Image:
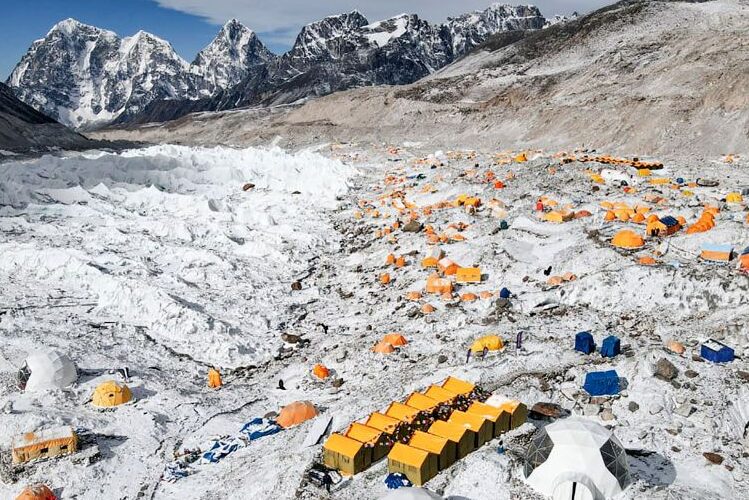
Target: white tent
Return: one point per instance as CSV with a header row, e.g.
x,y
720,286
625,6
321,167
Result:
x,y
407,493
576,459
48,369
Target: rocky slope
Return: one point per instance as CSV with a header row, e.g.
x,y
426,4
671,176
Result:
x,y
636,77
87,77
25,130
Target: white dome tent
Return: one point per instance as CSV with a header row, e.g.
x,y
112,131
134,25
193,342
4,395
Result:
x,y
576,459
47,369
407,493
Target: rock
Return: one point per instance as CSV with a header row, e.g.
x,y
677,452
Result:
x,y
684,410
296,286
413,227
341,357
665,370
599,400
337,382
697,357
690,374
248,186
743,375
633,407
607,415
290,338
502,303
569,393
441,359
655,408
546,411
591,410
713,458
675,347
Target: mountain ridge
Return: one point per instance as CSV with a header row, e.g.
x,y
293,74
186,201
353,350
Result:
x,y
88,77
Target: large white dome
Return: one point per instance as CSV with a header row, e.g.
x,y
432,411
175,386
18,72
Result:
x,y
49,369
407,493
576,459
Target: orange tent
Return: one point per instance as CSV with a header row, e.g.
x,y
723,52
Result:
x,y
627,239
438,285
385,279
36,492
383,348
296,413
427,309
320,371
395,339
214,379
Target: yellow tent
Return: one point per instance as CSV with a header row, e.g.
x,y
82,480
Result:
x,y
464,438
373,439
345,454
439,394
383,423
110,393
627,239
491,342
422,402
442,447
417,465
734,198
500,419
478,424
458,386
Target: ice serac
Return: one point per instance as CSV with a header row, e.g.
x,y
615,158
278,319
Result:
x,y
231,56
84,76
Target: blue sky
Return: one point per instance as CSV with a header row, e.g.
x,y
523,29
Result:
x,y
191,24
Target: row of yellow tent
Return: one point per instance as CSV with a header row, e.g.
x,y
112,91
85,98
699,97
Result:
x,y
426,433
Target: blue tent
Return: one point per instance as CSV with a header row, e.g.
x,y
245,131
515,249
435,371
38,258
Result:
x,y
602,383
611,347
396,480
584,342
504,293
717,352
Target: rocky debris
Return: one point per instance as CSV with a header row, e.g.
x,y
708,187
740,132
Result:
x,y
655,408
685,410
413,227
248,186
591,410
547,411
607,415
713,458
633,406
665,370
743,375
441,359
338,382
296,286
691,374
291,338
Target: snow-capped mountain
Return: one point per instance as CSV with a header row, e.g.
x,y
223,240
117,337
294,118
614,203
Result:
x,y
231,56
87,77
341,52
84,76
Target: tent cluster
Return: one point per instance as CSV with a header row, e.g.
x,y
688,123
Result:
x,y
611,160
426,433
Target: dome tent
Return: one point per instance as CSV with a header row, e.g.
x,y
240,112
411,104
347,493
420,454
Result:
x,y
576,459
110,393
47,369
627,239
411,493
296,413
36,492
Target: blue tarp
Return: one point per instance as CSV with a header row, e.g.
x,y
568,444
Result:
x,y
584,342
602,383
259,427
504,293
717,352
669,221
221,449
395,480
610,347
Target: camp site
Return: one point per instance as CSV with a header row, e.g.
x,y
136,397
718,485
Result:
x,y
474,251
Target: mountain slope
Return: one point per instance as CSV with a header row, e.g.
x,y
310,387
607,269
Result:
x,y
23,129
640,77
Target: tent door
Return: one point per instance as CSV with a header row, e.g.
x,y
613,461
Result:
x,y
572,490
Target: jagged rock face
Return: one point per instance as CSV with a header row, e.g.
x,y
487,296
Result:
x,y
470,30
343,52
231,56
83,76
87,77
